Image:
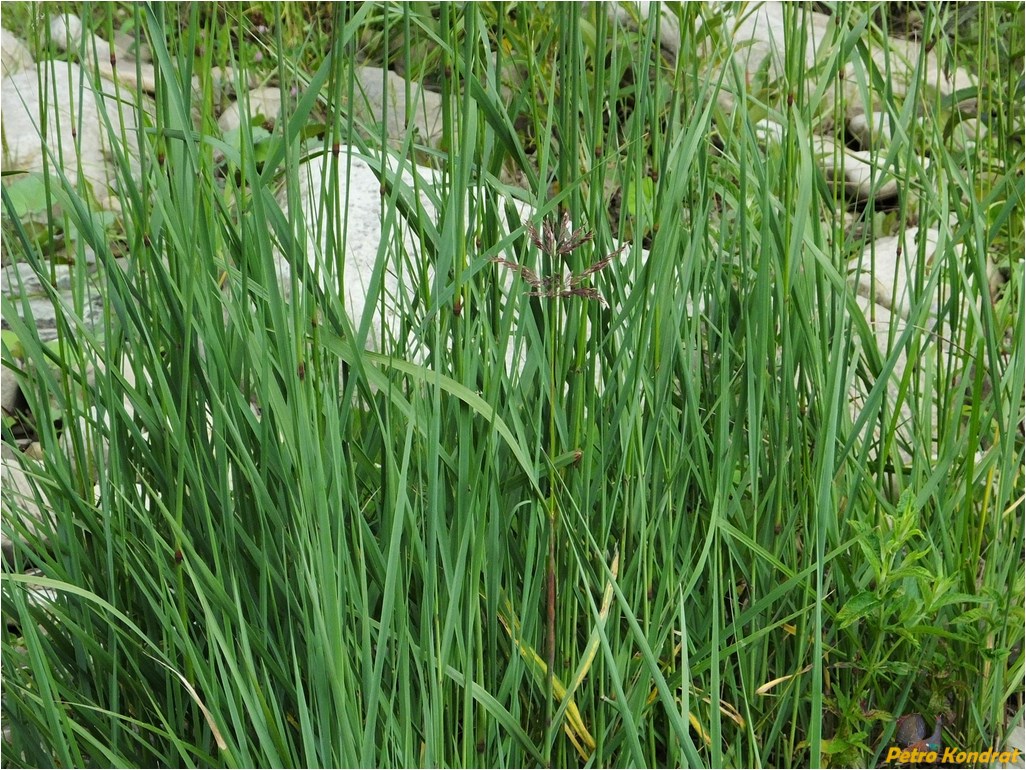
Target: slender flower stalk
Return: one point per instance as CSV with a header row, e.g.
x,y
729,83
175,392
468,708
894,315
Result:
x,y
556,241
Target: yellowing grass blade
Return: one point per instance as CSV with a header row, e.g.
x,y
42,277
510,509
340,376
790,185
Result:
x,y
593,642
699,728
726,709
211,722
774,682
566,701
574,725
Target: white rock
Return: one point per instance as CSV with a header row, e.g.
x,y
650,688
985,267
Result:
x,y
14,54
872,130
330,198
769,131
940,358
67,32
901,58
324,193
225,82
1016,743
381,96
91,429
966,134
886,328
893,270
19,281
22,498
8,390
669,27
262,103
858,171
22,106
74,127
131,48
757,34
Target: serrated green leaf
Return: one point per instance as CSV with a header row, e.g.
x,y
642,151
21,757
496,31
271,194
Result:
x,y
912,571
856,608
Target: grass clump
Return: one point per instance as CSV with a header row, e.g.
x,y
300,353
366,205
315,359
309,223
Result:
x,y
664,537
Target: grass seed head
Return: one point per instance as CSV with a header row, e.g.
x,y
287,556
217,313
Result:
x,y
557,240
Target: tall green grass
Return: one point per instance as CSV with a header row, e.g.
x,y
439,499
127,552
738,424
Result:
x,y
271,547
